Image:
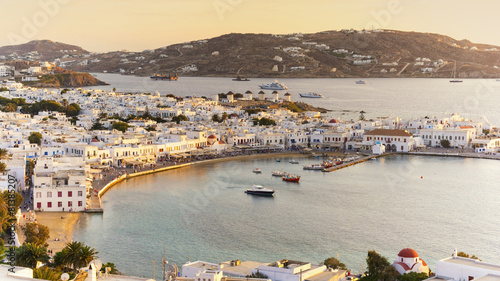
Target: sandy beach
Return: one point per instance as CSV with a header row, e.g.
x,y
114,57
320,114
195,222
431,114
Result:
x,y
60,228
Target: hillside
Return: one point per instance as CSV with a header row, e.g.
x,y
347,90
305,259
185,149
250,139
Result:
x,y
43,50
346,53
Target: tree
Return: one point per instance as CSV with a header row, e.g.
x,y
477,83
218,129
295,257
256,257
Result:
x,y
413,276
36,233
120,126
177,119
30,253
35,137
10,107
445,143
46,273
362,115
215,118
111,265
75,254
257,274
379,268
97,126
334,263
150,128
73,109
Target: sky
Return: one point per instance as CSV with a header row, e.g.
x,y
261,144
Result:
x,y
136,25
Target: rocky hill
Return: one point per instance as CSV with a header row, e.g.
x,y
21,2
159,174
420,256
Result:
x,y
67,79
346,53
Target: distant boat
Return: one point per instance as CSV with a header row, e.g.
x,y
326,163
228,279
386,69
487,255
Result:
x,y
239,78
311,95
360,81
278,173
257,171
454,74
259,190
274,86
291,178
164,77
278,160
293,161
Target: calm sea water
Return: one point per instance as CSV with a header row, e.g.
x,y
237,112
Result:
x,y
431,204
403,97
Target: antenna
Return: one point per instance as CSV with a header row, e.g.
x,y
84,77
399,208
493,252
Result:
x,y
154,270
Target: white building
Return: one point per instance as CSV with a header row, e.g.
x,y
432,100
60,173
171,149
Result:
x,y
459,268
394,140
288,270
59,186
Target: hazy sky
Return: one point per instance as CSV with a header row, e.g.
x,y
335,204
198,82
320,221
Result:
x,y
108,25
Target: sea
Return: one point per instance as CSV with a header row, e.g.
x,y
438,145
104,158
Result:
x,y
430,204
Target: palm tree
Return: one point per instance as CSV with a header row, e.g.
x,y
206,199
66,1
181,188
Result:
x,y
76,254
46,273
86,255
30,253
3,153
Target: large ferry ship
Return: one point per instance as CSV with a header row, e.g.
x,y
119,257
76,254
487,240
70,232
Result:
x,y
164,77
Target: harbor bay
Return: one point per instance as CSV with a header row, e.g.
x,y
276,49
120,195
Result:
x,y
433,204
404,97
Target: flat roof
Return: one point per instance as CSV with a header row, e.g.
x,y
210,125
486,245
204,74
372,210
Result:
x,y
327,275
245,268
473,263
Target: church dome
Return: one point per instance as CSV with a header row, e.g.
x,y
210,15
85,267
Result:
x,y
408,253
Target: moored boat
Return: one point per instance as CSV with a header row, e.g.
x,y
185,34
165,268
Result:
x,y
278,160
239,78
274,86
164,77
360,81
311,95
291,178
278,173
293,161
259,190
313,167
257,171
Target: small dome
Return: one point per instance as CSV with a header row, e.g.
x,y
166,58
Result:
x,y
94,140
287,94
212,137
333,121
408,253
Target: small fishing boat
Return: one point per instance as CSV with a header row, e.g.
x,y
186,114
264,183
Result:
x,y
291,178
259,190
257,171
293,161
278,160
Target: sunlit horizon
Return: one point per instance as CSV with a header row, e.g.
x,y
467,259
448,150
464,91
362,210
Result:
x,y
111,25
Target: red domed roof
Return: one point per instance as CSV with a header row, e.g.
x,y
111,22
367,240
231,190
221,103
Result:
x,y
212,137
94,140
408,253
333,121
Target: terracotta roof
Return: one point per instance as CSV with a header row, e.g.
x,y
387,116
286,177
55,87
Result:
x,y
403,265
211,137
466,127
388,132
408,253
